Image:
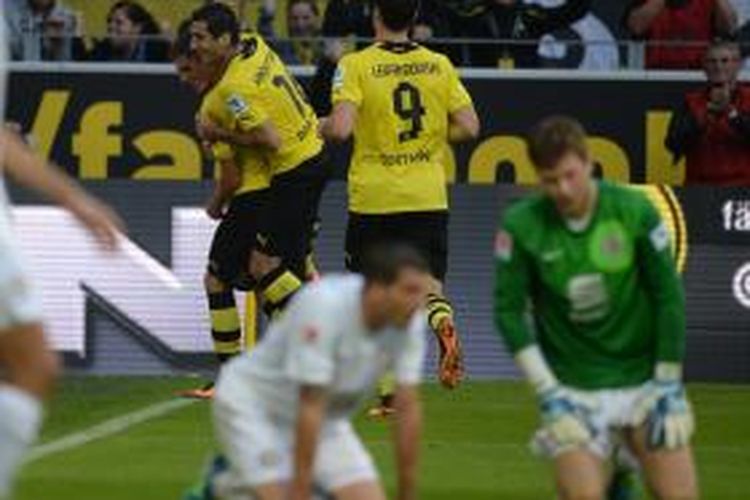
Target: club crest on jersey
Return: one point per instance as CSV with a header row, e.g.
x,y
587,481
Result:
x,y
659,237
237,105
503,245
610,250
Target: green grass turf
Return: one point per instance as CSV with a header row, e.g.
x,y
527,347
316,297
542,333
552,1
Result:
x,y
474,444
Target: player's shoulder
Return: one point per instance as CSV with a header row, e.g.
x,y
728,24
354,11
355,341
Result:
x,y
623,197
332,288
529,209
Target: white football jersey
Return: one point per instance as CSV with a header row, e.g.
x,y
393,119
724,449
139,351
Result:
x,y
321,340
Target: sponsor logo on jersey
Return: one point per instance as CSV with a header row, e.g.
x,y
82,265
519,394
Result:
x,y
741,285
552,255
503,245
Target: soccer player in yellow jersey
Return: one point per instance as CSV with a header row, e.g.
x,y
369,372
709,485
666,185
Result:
x,y
238,201
403,103
260,99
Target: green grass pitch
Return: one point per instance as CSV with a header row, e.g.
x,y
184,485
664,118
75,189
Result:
x,y
474,444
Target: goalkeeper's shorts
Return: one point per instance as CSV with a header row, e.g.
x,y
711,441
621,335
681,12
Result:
x,y
260,446
612,412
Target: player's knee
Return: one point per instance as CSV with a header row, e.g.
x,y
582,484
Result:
x,y
677,491
588,491
583,495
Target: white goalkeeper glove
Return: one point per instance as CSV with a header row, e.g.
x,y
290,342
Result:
x,y
566,418
665,410
565,415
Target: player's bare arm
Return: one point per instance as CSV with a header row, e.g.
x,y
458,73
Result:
x,y
310,416
228,183
463,125
264,135
31,171
407,433
339,126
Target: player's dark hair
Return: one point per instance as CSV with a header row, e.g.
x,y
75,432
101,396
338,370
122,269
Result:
x,y
384,262
397,15
312,3
181,44
220,20
553,138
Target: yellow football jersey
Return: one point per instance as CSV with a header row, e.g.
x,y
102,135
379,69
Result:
x,y
257,87
404,95
254,170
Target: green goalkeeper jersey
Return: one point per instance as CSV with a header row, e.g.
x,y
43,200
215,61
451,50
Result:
x,y
605,300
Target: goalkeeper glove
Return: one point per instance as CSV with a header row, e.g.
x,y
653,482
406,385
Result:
x,y
566,417
665,410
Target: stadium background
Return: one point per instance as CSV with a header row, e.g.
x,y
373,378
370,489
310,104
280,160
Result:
x,y
138,123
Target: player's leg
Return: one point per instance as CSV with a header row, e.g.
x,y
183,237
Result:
x,y
362,233
368,490
30,369
282,265
580,475
669,474
428,233
343,468
257,450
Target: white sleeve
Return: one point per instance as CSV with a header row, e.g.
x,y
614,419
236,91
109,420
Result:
x,y
312,342
410,360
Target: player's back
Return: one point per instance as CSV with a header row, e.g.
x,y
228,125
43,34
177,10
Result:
x,y
404,95
277,96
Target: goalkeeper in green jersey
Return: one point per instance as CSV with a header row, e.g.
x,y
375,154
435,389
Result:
x,y
589,262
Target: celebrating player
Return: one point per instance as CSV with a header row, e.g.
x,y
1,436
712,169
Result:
x,y
29,366
591,263
254,102
238,201
403,103
282,412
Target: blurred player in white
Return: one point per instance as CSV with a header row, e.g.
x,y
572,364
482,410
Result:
x,y
282,412
28,367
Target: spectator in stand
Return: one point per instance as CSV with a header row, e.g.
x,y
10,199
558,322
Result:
x,y
522,21
42,30
132,36
712,128
677,32
303,45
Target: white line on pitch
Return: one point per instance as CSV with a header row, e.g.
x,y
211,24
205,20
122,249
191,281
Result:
x,y
106,429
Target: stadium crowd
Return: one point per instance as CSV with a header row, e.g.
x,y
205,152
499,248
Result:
x,y
485,33
713,122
